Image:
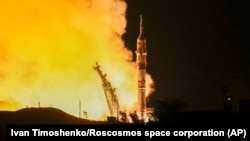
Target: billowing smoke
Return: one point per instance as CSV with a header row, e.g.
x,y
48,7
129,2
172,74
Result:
x,y
48,49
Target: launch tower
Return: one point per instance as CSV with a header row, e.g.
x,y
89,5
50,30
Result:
x,y
109,91
141,61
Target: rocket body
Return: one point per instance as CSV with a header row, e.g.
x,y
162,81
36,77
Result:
x,y
141,60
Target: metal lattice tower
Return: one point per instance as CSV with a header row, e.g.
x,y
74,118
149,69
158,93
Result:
x,y
109,91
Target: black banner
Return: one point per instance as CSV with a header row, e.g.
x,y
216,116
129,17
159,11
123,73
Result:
x,y
124,131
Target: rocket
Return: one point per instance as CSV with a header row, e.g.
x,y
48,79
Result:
x,y
141,61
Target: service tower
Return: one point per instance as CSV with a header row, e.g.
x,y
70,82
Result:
x,y
141,61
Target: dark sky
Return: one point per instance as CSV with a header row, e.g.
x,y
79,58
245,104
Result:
x,y
194,48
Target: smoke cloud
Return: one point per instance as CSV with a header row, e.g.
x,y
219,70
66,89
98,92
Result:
x,y
48,49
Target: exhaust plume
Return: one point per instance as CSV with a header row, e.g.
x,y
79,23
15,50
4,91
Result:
x,y
48,48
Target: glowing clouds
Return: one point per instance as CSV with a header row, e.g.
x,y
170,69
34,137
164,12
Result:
x,y
48,48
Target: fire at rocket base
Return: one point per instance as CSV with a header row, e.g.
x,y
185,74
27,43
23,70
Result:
x,y
141,61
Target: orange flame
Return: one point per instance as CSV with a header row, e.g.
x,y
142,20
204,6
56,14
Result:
x,y
48,48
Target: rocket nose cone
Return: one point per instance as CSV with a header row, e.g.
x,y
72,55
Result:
x,y
141,37
141,34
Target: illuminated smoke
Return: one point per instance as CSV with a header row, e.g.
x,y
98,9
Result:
x,y
48,49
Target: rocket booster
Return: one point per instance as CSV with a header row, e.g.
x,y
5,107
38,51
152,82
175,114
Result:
x,y
141,60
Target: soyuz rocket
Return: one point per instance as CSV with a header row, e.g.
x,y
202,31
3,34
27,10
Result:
x,y
141,61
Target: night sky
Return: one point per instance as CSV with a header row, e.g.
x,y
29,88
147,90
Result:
x,y
194,48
